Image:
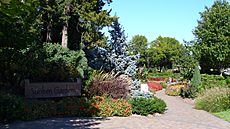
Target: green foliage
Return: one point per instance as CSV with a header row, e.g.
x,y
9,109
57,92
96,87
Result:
x,y
50,62
17,23
214,100
211,81
74,106
11,107
69,63
195,82
165,74
212,36
164,84
144,106
139,45
164,51
35,109
187,62
15,108
228,81
223,115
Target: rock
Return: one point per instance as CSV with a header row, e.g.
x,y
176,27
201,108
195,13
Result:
x,y
227,72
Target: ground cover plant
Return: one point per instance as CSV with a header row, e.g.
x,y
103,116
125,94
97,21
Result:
x,y
146,106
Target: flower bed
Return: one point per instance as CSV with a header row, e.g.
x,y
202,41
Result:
x,y
154,86
174,90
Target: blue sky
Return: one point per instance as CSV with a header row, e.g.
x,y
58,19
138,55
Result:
x,y
153,18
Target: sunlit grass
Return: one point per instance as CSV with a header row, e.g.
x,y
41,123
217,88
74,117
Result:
x,y
223,115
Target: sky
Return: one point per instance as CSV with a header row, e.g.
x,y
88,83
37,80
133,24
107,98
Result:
x,y
153,18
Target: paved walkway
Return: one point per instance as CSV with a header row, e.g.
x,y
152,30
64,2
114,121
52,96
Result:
x,y
180,115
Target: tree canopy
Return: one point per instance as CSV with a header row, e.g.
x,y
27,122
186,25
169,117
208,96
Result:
x,y
212,43
139,45
164,51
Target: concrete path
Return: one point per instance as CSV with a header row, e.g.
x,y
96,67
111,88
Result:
x,y
180,115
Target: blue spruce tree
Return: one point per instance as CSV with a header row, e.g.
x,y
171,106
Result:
x,y
120,61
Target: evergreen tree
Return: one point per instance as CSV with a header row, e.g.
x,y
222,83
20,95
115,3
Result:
x,y
121,61
195,82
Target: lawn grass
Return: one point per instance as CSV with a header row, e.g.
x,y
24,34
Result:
x,y
223,115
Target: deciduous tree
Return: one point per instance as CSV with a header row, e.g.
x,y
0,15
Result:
x,y
213,36
139,45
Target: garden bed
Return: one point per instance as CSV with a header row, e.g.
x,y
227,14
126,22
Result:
x,y
154,86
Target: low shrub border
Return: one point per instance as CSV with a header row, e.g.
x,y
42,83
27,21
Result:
x,y
146,106
16,108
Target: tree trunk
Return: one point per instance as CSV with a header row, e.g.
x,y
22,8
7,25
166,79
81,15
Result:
x,y
65,27
48,33
64,42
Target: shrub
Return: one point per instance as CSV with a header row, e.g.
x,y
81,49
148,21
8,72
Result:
x,y
164,85
210,81
48,62
109,85
191,90
144,106
35,109
214,100
73,106
59,64
11,107
111,107
185,92
228,81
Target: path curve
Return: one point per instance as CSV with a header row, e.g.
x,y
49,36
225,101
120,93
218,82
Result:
x,y
180,115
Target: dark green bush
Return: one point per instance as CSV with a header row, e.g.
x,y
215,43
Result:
x,y
15,108
145,106
73,106
35,109
48,62
59,64
228,81
11,107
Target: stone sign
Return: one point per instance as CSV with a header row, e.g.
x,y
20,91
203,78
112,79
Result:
x,y
52,89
